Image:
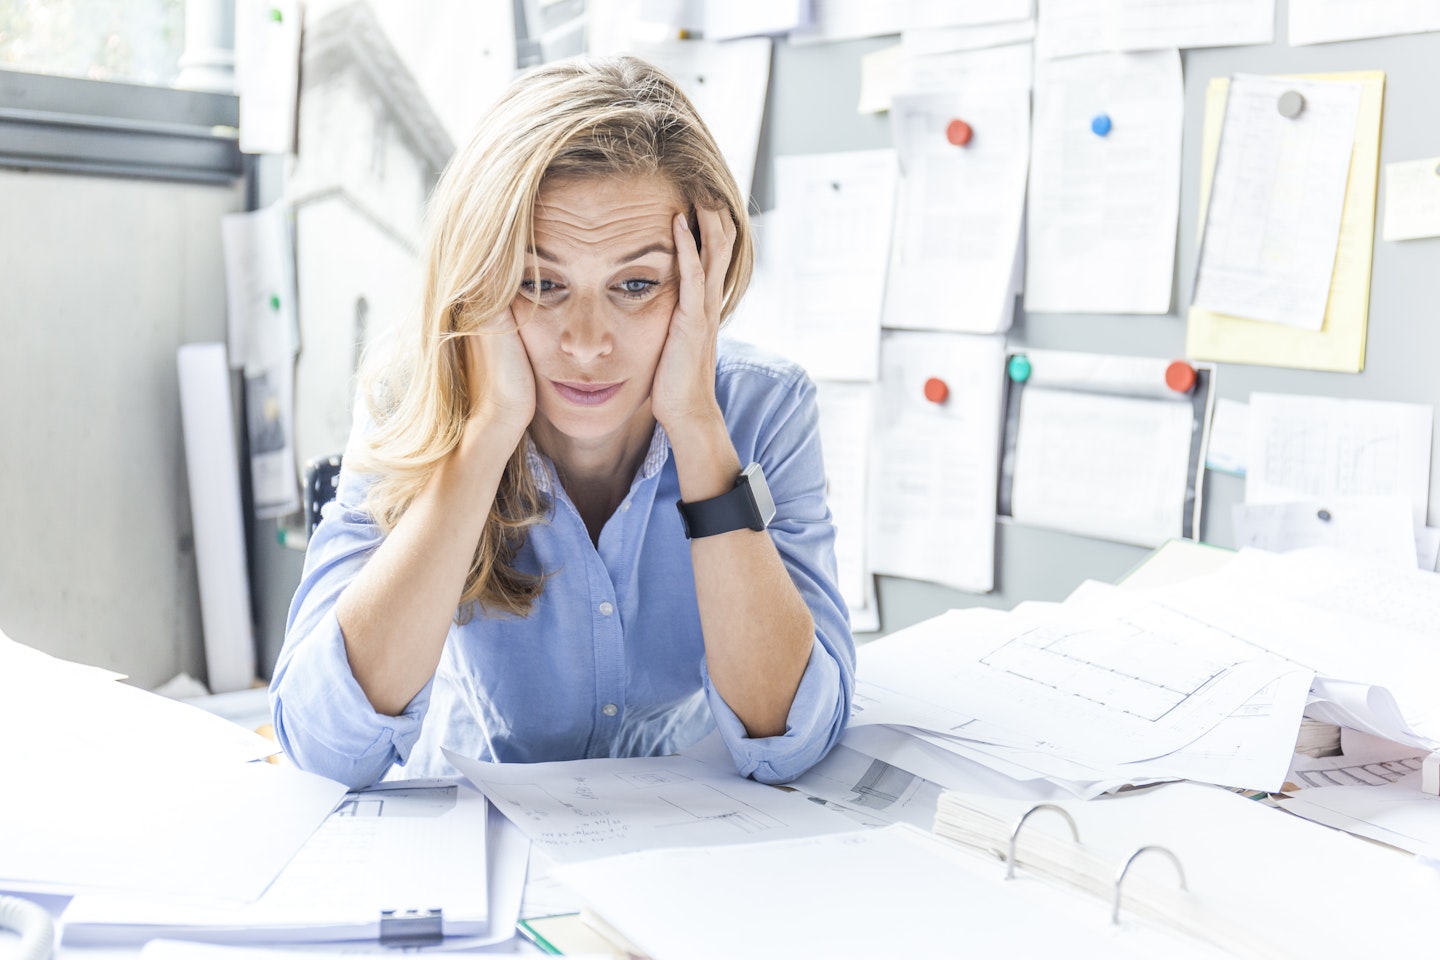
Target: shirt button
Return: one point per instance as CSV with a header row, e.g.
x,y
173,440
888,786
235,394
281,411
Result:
x,y
607,608
625,506
609,709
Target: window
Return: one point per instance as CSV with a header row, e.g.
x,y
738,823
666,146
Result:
x,y
131,41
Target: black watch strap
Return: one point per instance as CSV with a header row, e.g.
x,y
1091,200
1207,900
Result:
x,y
747,507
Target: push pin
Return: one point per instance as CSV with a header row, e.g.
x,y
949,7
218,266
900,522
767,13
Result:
x,y
1018,368
959,132
936,391
1290,104
1180,376
1101,125
1324,515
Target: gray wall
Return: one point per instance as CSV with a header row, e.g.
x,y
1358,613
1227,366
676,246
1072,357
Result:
x,y
813,91
103,279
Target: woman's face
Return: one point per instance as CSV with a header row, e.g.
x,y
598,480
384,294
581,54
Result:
x,y
594,307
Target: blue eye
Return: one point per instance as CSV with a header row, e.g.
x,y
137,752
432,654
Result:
x,y
635,289
528,286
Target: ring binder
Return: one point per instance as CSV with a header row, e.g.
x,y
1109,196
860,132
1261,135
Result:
x,y
1125,867
411,928
1020,822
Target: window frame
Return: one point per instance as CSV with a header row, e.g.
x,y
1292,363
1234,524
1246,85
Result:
x,y
108,128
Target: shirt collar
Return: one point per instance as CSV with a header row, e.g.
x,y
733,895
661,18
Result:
x,y
544,471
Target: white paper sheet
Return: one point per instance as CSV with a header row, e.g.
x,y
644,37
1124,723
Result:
x,y
398,846
1309,606
754,18
212,468
581,809
1070,27
1080,683
264,336
1101,465
847,414
1102,211
920,43
1427,547
1325,21
1412,199
727,84
1273,221
829,237
1322,448
960,208
933,488
1229,437
267,73
853,19
1376,527
868,790
907,894
1394,812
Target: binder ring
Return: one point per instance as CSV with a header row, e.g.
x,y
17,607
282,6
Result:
x,y
1015,832
1120,877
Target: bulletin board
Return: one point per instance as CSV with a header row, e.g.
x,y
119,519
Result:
x,y
811,108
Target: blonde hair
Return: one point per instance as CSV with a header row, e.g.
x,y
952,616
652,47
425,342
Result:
x,y
576,118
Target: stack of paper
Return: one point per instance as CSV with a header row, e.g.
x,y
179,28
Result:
x,y
401,846
177,794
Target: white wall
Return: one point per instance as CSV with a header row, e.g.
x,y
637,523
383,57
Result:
x,y
100,280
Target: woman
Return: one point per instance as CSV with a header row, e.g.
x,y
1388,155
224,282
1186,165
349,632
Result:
x,y
506,570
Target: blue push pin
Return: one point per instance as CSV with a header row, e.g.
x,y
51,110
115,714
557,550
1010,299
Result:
x,y
1100,126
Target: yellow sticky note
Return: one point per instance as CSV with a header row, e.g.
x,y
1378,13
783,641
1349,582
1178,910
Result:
x,y
1340,343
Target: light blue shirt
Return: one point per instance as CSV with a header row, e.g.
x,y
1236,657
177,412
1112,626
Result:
x,y
610,662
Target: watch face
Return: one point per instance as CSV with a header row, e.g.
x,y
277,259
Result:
x,y
760,490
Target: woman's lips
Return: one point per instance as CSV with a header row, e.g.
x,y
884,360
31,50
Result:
x,y
587,394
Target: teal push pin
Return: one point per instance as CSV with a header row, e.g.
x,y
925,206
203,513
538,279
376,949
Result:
x,y
274,301
1018,368
1100,125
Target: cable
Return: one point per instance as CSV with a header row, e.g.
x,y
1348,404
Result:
x,y
37,932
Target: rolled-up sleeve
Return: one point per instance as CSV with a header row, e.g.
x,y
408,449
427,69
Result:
x,y
323,720
786,440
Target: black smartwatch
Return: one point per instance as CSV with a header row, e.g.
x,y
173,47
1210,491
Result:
x,y
748,507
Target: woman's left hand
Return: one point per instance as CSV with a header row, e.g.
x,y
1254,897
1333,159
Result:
x,y
683,392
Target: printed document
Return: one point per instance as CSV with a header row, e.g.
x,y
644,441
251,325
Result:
x,y
581,809
960,209
847,416
1319,448
1376,527
1412,199
1325,21
1273,221
1103,209
1070,27
935,463
830,239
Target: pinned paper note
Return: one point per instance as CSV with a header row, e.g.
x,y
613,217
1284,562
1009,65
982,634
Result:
x,y
1412,199
1340,344
1273,221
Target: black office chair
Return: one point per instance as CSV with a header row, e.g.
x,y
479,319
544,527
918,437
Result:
x,y
322,479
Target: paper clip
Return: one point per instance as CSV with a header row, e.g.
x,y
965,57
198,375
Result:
x,y
1120,877
1015,832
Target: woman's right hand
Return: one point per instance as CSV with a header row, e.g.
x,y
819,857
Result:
x,y
499,378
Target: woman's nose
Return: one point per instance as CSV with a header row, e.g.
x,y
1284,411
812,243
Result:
x,y
586,334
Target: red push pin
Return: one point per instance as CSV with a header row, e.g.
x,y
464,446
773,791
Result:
x,y
936,391
958,132
1180,376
